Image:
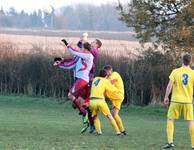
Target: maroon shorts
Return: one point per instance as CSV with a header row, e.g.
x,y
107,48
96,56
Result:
x,y
85,94
78,86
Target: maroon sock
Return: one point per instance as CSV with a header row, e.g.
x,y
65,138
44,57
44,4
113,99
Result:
x,y
80,107
90,118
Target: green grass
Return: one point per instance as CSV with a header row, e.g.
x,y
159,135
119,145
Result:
x,y
28,123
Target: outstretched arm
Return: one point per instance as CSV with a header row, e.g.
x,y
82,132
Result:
x,y
67,63
84,55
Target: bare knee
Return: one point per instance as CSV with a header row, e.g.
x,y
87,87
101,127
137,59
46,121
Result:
x,y
71,97
115,111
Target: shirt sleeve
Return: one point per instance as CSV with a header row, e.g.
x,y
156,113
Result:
x,y
68,63
84,55
172,76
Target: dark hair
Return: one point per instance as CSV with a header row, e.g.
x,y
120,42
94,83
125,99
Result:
x,y
187,59
107,67
87,46
57,59
99,43
103,73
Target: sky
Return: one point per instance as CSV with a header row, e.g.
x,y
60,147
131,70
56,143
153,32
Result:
x,y
30,5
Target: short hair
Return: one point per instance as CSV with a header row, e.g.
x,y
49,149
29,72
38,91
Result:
x,y
108,67
103,73
99,43
187,59
87,46
57,59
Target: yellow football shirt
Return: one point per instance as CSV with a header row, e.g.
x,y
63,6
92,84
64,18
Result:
x,y
183,82
100,86
117,81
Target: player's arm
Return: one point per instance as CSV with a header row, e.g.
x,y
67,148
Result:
x,y
84,55
66,66
168,91
67,63
169,87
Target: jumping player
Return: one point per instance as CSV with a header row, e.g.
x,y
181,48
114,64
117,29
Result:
x,y
82,63
84,94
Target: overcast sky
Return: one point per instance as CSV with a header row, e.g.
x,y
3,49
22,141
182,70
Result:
x,y
29,5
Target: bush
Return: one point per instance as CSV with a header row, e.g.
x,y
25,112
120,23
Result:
x,y
144,78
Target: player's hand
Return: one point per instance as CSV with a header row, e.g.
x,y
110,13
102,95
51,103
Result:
x,y
113,81
166,101
64,41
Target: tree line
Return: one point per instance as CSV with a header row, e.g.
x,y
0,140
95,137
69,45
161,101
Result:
x,y
78,17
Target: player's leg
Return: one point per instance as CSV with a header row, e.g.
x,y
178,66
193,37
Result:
x,y
188,115
106,111
91,120
173,113
97,125
170,133
117,100
113,123
94,109
191,132
86,94
74,94
85,99
85,103
115,114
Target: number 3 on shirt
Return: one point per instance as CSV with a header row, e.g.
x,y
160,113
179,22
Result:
x,y
185,79
96,82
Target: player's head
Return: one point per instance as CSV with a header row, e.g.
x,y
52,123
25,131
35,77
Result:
x,y
96,43
103,73
108,69
87,46
57,59
187,59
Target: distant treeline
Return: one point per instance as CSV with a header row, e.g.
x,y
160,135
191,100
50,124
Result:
x,y
78,17
145,77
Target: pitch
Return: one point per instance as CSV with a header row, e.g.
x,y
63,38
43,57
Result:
x,y
44,124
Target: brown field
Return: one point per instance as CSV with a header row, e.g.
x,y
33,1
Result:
x,y
52,45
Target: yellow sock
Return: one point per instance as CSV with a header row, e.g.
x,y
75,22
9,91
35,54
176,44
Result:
x,y
114,124
191,131
119,122
170,130
97,125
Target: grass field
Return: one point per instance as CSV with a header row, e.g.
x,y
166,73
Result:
x,y
28,123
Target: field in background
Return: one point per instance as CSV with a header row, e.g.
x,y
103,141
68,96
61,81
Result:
x,y
53,45
126,36
42,124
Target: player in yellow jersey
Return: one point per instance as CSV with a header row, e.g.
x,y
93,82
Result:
x,y
116,98
97,103
181,84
